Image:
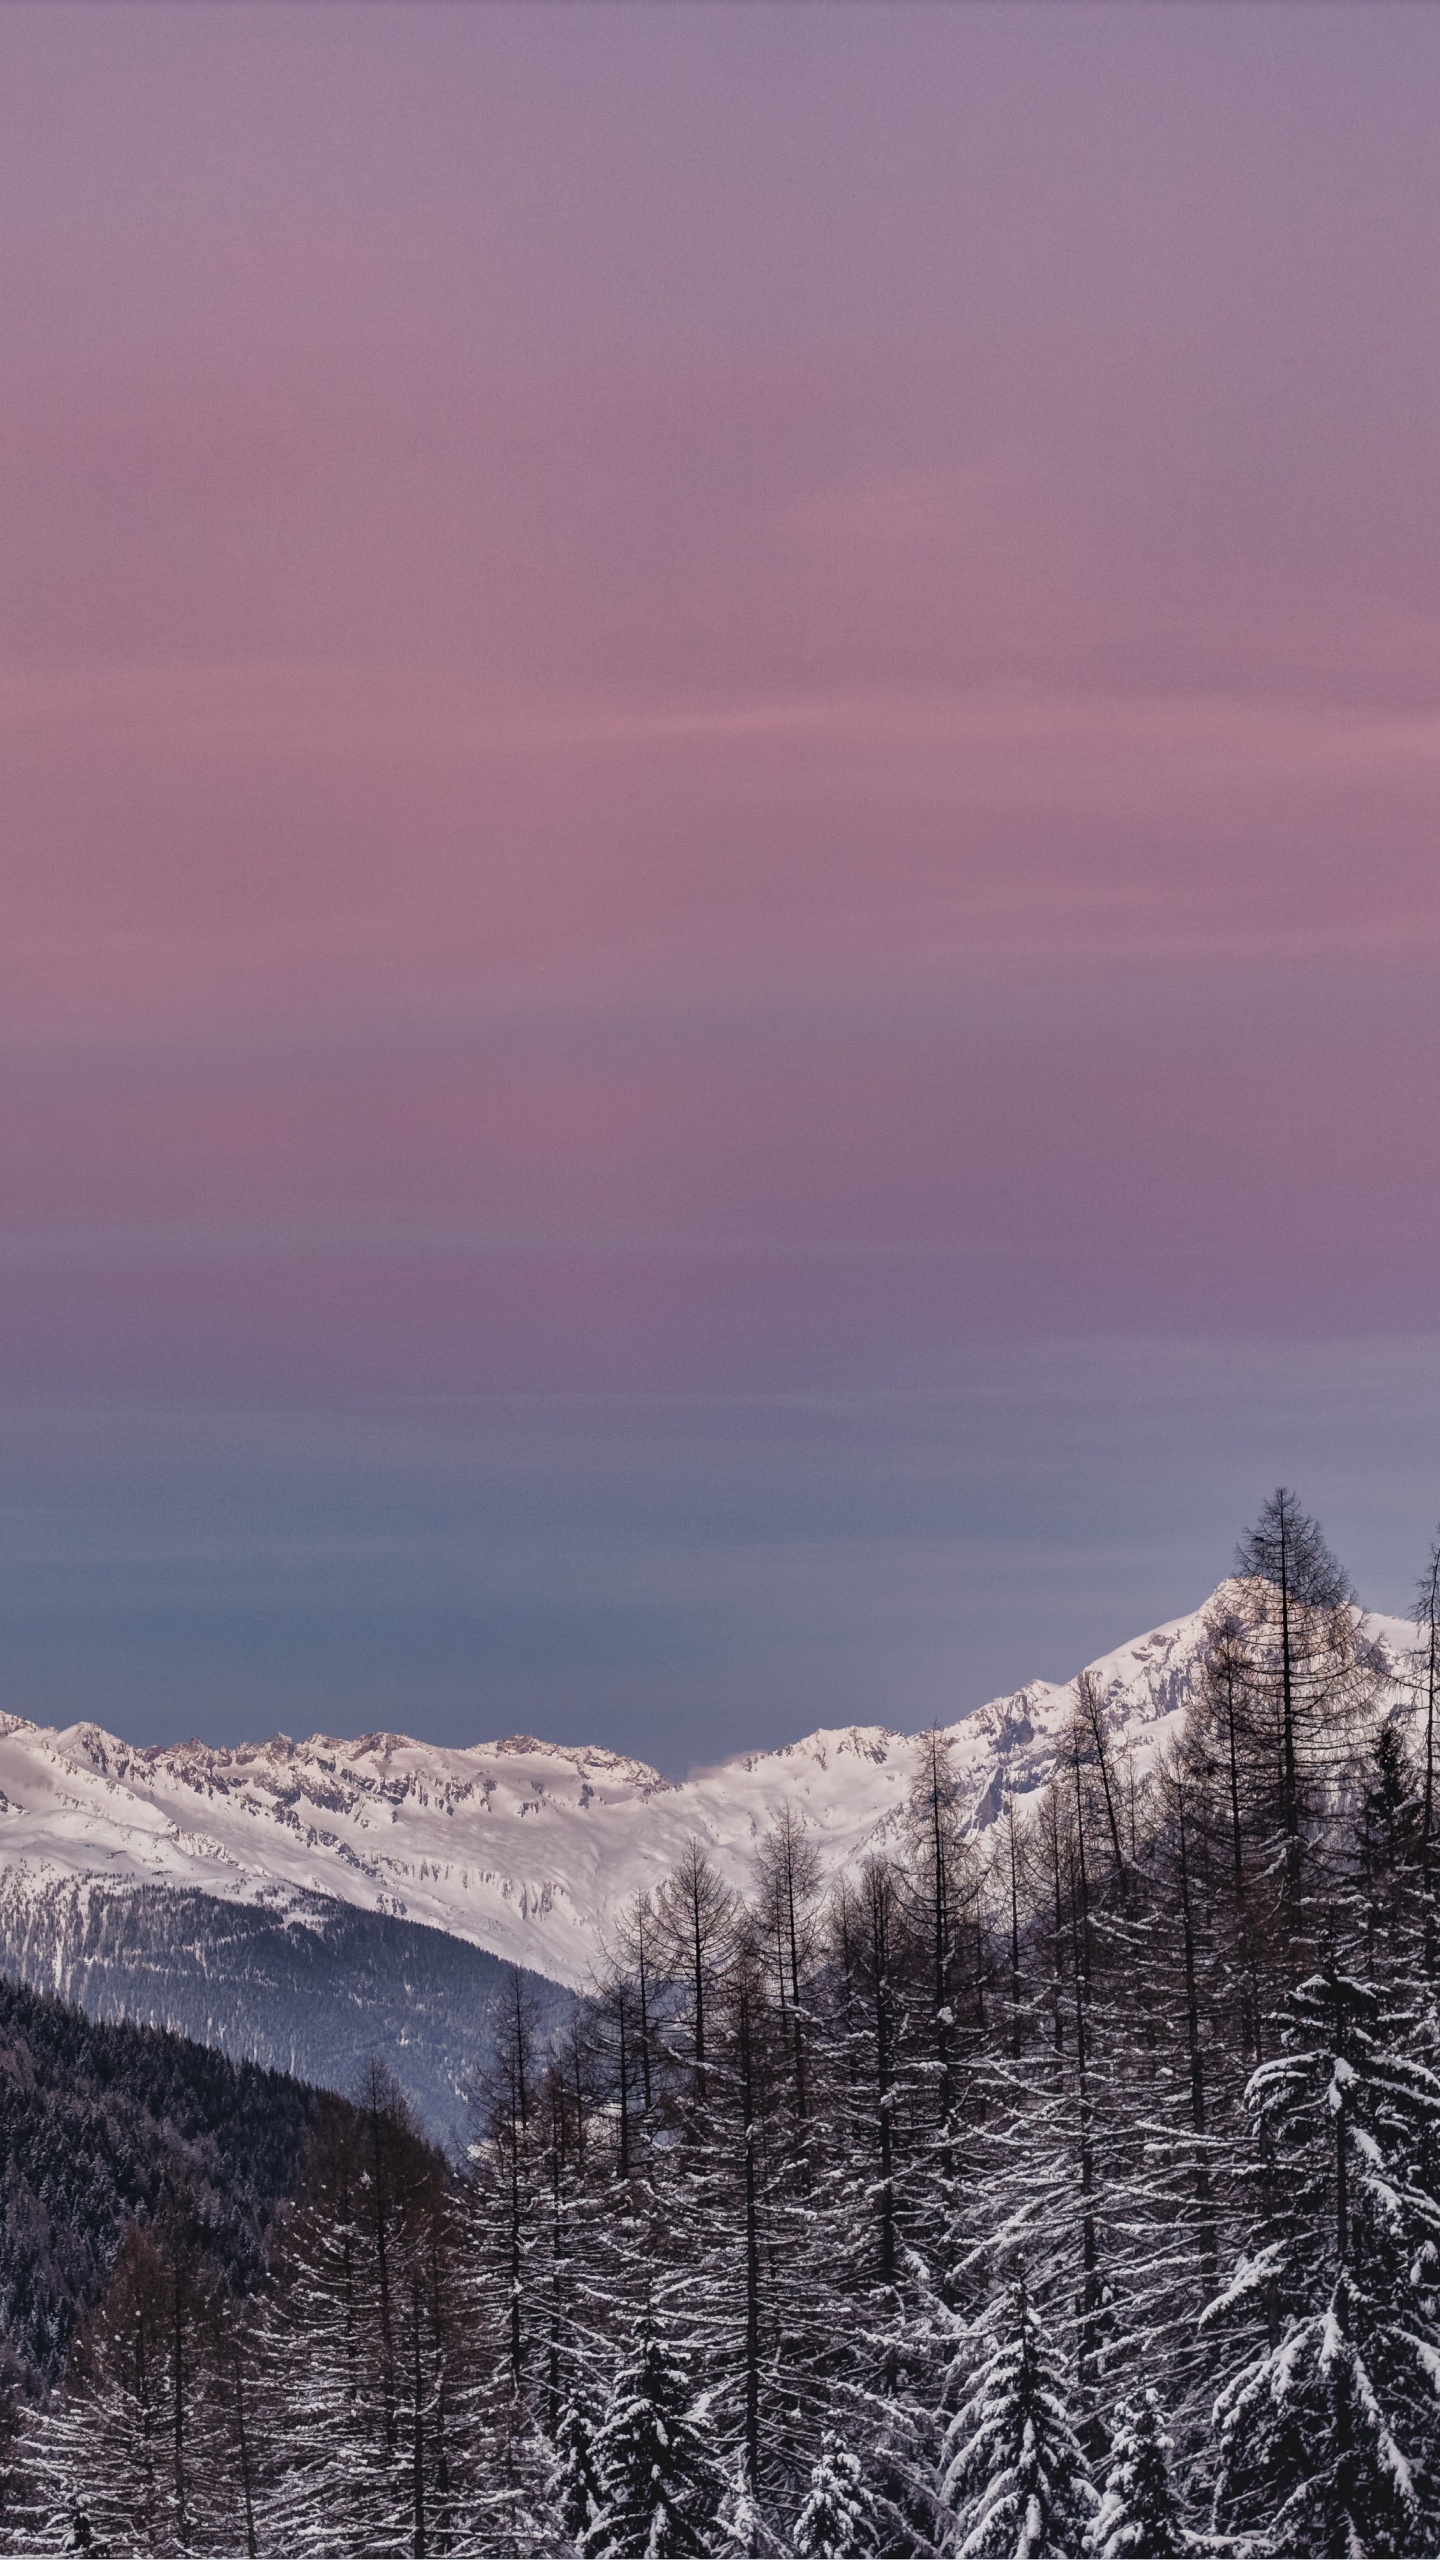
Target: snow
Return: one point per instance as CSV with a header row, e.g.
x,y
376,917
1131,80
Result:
x,y
527,1848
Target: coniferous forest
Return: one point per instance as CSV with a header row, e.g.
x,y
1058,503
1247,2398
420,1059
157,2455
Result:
x,y
1069,2186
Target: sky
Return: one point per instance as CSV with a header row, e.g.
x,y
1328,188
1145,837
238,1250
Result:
x,y
719,902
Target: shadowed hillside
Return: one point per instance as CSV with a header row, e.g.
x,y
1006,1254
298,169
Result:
x,y
314,1991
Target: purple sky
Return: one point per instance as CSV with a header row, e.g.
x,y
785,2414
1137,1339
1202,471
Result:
x,y
720,890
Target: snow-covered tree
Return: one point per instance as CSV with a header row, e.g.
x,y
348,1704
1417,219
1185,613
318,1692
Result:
x,y
1138,2517
1327,2442
659,2488
339,2476
578,2496
1329,2428
361,2340
838,2515
1016,2476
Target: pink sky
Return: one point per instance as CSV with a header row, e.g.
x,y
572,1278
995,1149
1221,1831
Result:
x,y
711,698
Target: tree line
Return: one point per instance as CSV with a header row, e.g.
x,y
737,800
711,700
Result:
x,y
1070,2185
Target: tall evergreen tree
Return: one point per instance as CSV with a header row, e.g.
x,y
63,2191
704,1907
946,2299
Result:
x,y
1329,2427
1303,1652
1138,2517
1016,2475
659,2487
578,2495
837,2518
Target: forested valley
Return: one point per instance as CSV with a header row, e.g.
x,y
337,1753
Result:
x,y
1069,2186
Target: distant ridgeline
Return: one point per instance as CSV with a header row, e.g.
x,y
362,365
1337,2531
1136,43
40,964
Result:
x,y
316,1989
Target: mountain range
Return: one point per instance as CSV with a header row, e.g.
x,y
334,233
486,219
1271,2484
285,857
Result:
x,y
303,1903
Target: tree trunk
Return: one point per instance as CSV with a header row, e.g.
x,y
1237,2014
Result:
x,y
752,2255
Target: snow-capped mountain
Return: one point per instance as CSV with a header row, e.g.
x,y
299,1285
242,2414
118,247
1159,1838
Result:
x,y
526,1849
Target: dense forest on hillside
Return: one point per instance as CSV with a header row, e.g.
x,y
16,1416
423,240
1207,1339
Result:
x,y
1072,2187
100,2125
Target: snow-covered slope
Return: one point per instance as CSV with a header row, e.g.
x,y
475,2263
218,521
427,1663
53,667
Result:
x,y
525,1848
